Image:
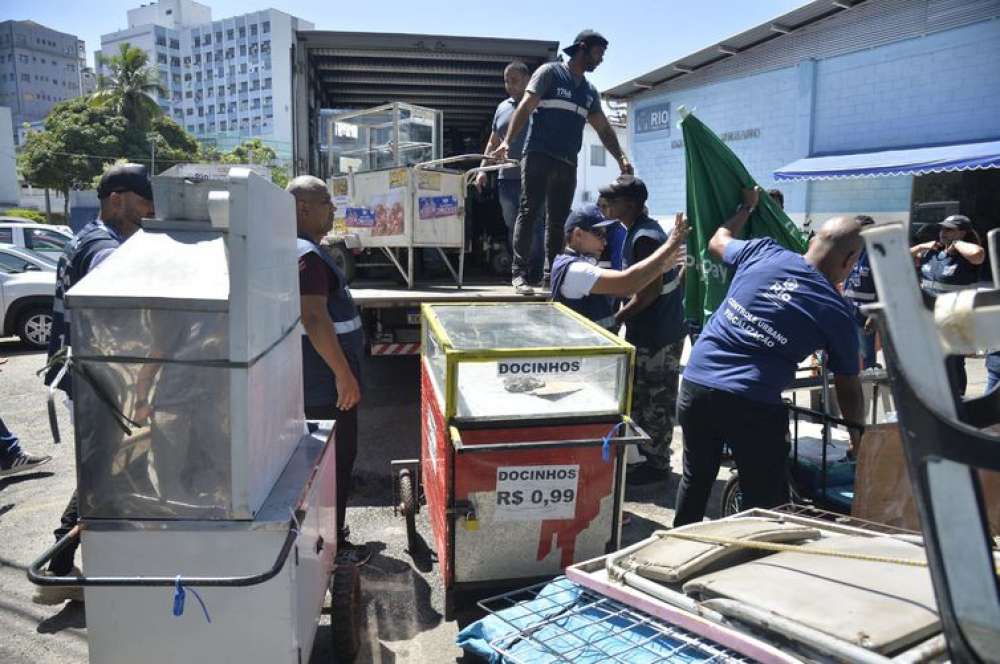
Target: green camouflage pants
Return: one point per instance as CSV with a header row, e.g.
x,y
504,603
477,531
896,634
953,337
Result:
x,y
654,399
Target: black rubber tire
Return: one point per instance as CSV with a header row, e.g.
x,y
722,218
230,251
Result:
x,y
344,258
500,262
408,508
345,612
732,496
34,325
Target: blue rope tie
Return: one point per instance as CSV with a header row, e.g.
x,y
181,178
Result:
x,y
606,447
179,595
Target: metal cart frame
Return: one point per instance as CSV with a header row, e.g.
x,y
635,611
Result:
x,y
408,486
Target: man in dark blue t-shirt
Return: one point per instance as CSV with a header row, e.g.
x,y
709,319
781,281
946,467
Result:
x,y
781,306
515,79
559,101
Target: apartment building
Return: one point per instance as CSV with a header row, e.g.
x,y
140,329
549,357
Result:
x,y
226,80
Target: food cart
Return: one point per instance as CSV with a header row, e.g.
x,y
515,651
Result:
x,y
197,473
524,410
394,192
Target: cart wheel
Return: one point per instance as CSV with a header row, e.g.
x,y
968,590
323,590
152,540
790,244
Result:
x,y
344,259
500,262
732,496
408,508
345,614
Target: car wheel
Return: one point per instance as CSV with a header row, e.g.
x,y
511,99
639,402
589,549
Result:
x,y
34,326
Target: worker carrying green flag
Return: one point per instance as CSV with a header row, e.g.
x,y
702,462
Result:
x,y
715,178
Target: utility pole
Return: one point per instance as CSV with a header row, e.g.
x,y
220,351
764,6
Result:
x,y
151,137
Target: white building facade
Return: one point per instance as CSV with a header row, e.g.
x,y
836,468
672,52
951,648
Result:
x,y
226,81
595,167
855,81
39,67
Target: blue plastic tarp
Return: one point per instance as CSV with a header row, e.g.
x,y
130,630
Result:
x,y
914,161
575,628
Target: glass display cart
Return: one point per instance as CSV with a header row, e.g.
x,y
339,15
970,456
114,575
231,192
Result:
x,y
524,426
393,191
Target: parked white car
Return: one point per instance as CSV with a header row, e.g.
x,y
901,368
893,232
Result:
x,y
44,238
27,288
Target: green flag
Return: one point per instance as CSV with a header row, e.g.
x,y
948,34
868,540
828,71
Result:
x,y
715,177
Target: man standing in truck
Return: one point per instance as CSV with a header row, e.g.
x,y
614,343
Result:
x,y
559,100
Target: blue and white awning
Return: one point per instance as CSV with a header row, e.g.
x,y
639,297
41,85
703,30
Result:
x,y
915,161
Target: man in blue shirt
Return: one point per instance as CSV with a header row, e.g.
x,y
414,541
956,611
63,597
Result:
x,y
781,307
559,100
654,324
515,79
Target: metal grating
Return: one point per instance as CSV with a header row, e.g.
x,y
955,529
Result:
x,y
462,76
573,623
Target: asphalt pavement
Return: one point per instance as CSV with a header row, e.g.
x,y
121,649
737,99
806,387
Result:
x,y
402,596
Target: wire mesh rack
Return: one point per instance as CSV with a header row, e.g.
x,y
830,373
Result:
x,y
561,621
809,511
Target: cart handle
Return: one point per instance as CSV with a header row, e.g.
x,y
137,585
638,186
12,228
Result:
x,y
495,165
638,436
36,576
434,163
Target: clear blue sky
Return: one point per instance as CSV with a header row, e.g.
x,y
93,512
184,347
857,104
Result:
x,y
644,34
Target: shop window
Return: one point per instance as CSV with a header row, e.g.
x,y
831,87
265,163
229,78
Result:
x,y
598,155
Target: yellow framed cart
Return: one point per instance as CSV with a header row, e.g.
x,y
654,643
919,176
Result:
x,y
524,423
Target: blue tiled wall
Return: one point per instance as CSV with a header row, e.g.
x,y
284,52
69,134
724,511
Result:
x,y
941,88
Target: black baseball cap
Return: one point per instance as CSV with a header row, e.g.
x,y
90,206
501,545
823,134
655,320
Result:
x,y
125,177
588,38
587,218
958,222
626,186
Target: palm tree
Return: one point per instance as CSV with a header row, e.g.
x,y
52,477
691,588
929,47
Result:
x,y
131,87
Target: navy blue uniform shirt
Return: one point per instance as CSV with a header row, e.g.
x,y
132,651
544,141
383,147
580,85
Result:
x,y
778,310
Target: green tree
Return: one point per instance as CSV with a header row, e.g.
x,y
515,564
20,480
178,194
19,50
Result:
x,y
71,150
129,90
81,139
255,151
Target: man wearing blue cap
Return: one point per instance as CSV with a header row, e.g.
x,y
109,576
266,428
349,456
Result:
x,y
580,284
559,101
654,324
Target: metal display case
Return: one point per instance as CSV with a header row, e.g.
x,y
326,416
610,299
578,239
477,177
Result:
x,y
383,137
393,192
177,319
524,427
196,468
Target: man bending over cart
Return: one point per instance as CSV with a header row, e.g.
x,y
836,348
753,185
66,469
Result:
x,y
781,307
332,346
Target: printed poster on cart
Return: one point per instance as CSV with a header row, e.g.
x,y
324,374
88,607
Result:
x,y
389,213
436,207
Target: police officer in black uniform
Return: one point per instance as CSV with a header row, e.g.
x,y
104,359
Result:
x,y
333,344
126,197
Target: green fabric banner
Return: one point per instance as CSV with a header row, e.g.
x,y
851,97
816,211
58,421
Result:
x,y
715,178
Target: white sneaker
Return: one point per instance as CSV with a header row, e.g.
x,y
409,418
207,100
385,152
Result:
x,y
21,463
522,287
51,595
